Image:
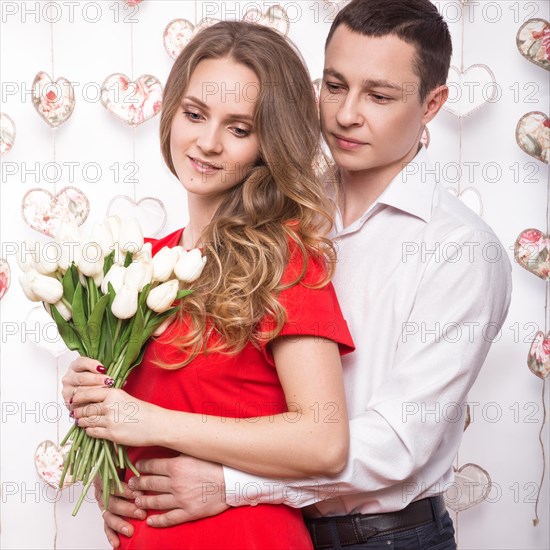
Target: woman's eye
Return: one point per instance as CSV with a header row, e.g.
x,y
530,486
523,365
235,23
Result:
x,y
191,116
241,132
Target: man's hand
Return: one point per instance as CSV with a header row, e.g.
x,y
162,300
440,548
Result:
x,y
187,487
120,504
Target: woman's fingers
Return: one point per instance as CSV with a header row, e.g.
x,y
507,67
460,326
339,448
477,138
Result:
x,y
83,371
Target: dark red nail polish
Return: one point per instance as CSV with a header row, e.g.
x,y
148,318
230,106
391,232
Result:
x,y
71,414
70,401
101,369
109,382
76,422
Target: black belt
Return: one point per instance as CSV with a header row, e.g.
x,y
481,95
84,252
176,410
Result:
x,y
359,528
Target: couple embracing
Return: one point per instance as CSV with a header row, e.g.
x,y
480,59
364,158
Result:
x,y
283,409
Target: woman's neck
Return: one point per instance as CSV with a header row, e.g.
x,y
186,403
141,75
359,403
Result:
x,y
201,211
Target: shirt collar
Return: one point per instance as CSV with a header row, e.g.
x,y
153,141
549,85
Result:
x,y
413,188
411,191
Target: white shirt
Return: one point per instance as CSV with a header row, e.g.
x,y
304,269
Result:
x,y
425,286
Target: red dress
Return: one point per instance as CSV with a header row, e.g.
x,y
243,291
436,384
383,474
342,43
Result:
x,y
245,385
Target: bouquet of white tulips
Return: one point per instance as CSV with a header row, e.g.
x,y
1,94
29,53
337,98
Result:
x,y
107,295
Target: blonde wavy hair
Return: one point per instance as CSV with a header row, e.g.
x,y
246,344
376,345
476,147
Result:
x,y
249,240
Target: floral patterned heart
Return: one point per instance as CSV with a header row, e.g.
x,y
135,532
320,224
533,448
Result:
x,y
538,359
274,17
533,42
44,212
149,211
470,89
53,101
5,277
49,460
471,197
533,135
134,102
7,133
472,485
532,251
179,32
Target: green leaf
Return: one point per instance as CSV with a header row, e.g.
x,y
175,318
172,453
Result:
x,y
67,332
109,261
136,341
128,259
106,345
79,314
68,285
143,295
183,293
95,323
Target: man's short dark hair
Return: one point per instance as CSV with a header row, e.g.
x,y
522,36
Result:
x,y
416,22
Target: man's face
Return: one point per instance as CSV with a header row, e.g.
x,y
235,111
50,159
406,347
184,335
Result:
x,y
371,114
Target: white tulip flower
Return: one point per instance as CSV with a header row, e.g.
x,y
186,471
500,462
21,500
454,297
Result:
x,y
102,235
91,259
138,274
131,236
164,262
125,303
48,289
115,276
190,266
25,285
161,298
64,311
27,256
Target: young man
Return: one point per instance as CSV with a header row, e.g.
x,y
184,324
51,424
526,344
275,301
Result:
x,y
423,282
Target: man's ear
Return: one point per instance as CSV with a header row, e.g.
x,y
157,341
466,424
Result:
x,y
433,102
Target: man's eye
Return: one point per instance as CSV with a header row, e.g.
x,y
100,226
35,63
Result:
x,y
333,88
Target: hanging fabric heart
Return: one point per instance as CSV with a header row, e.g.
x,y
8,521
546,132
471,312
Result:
x,y
43,332
471,486
44,212
7,133
49,460
53,101
5,277
533,42
533,135
531,251
425,139
470,89
471,197
150,212
133,2
133,102
538,359
179,32
274,17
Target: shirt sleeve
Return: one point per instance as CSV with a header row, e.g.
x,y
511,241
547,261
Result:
x,y
310,311
400,439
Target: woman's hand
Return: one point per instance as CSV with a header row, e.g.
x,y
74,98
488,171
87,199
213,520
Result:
x,y
113,414
83,372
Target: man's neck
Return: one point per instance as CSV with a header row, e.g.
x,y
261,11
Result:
x,y
361,189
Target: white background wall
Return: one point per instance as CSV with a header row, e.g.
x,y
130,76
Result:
x,y
503,438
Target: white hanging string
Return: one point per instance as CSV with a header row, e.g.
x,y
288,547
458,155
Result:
x,y
133,127
54,155
543,397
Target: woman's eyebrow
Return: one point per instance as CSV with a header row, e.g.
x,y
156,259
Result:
x,y
235,116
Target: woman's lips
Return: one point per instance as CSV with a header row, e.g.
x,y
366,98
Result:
x,y
203,167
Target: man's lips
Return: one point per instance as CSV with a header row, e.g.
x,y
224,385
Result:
x,y
203,166
347,143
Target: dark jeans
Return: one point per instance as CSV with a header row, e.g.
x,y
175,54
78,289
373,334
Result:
x,y
435,535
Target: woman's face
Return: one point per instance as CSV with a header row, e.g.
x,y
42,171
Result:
x,y
213,141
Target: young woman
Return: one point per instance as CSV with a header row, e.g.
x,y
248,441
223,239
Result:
x,y
241,374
